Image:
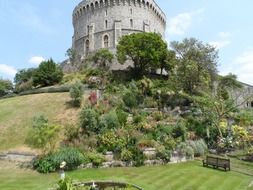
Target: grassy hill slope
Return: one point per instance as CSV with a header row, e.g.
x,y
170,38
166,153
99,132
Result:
x,y
16,115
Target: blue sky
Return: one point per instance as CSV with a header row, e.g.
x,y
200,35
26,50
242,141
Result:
x,y
34,30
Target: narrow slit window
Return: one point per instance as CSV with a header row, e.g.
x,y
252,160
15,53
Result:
x,y
131,23
106,41
87,46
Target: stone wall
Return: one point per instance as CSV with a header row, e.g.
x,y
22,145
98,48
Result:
x,y
19,157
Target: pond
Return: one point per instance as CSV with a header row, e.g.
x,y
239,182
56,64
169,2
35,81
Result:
x,y
106,185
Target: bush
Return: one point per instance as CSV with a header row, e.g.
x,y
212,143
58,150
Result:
x,y
103,58
149,102
48,73
138,158
164,154
158,116
44,165
126,155
95,158
5,87
51,162
185,149
66,184
110,141
88,120
122,116
42,134
179,130
28,85
130,99
76,93
199,147
112,120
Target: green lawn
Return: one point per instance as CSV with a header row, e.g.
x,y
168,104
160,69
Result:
x,y
186,176
16,115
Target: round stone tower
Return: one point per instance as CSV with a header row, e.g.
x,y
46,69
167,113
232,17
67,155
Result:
x,y
100,23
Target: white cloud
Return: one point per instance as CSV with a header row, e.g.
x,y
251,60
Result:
x,y
179,24
7,71
219,44
243,67
36,60
223,40
224,34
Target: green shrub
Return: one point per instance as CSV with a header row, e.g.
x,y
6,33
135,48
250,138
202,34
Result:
x,y
139,118
122,116
76,93
89,120
28,85
66,184
179,130
126,155
170,143
199,147
111,141
149,102
51,162
130,99
185,149
138,158
112,120
44,165
95,158
71,156
164,154
108,121
42,134
48,73
158,116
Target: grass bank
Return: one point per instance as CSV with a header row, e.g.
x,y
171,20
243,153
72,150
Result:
x,y
16,115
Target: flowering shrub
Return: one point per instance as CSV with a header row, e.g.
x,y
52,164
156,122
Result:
x,y
93,98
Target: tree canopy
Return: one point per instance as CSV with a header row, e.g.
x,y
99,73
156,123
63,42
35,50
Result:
x,y
48,73
24,75
196,68
146,50
103,58
5,85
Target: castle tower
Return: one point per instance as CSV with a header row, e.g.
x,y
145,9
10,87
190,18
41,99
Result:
x,y
100,23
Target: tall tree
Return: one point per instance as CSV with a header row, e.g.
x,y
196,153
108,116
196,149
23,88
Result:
x,y
48,73
103,58
168,62
227,85
146,50
197,66
24,75
5,86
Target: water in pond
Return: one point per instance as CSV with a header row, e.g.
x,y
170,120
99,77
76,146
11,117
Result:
x,y
106,186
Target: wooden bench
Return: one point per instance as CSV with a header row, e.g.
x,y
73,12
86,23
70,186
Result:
x,y
217,162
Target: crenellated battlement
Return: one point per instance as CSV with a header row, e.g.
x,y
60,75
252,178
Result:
x,y
88,6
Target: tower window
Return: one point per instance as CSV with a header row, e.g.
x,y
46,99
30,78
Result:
x,y
131,23
106,24
131,11
87,46
106,41
106,13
